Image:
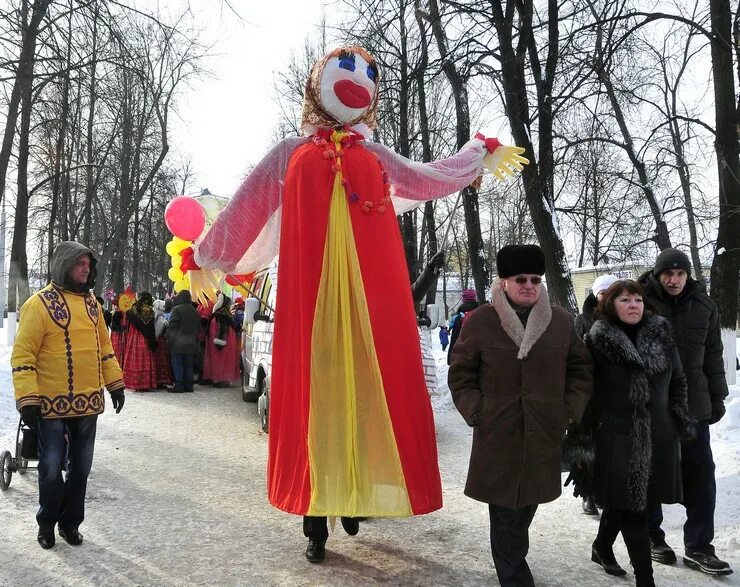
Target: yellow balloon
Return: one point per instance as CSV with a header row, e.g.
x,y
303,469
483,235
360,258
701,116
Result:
x,y
175,261
185,282
180,244
175,274
178,287
171,248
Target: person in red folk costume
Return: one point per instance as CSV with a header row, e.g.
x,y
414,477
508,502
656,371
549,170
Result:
x,y
140,355
204,311
221,360
117,339
351,426
118,325
164,361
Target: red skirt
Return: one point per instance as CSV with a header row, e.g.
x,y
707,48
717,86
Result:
x,y
164,364
118,340
140,371
221,364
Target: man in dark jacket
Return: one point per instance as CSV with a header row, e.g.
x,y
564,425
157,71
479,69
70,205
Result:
x,y
182,334
519,373
670,289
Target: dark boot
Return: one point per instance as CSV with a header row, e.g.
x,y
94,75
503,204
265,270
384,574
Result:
x,y
71,537
46,537
316,551
661,553
706,563
351,525
589,507
644,580
606,559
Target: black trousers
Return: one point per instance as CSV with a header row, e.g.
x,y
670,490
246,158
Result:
x,y
315,528
700,495
510,544
634,529
63,500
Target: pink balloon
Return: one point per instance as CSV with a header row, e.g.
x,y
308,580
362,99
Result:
x,y
184,218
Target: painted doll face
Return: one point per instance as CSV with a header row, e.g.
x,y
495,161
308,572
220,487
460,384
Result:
x,y
126,302
347,86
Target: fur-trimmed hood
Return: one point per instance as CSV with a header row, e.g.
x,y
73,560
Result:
x,y
537,323
651,351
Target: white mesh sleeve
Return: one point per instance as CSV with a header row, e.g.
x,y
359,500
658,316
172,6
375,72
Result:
x,y
245,236
413,183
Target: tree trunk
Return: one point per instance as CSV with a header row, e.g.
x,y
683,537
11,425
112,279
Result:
x,y
23,77
470,202
89,151
538,175
429,223
725,277
18,290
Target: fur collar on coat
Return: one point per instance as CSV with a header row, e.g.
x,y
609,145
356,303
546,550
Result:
x,y
537,323
651,351
649,355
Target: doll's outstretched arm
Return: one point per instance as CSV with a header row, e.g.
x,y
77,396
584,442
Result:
x,y
246,232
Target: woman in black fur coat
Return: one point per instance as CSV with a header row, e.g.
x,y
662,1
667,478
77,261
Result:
x,y
638,415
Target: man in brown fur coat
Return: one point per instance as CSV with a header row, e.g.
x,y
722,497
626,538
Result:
x,y
519,374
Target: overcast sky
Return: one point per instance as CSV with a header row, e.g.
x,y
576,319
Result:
x,y
225,122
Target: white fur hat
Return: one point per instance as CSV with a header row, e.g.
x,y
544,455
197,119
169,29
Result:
x,y
603,282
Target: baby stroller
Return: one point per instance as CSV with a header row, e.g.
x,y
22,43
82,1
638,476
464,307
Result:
x,y
26,449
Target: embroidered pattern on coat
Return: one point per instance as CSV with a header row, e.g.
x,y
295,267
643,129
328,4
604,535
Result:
x,y
63,406
56,304
91,305
57,307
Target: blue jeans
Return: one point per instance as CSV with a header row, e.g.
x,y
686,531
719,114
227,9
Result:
x,y
699,495
182,370
59,500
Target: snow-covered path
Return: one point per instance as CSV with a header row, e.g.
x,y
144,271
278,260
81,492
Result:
x,y
177,497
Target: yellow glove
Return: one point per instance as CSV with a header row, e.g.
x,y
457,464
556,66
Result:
x,y
505,161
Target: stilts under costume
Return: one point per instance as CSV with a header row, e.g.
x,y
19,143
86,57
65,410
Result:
x,y
351,426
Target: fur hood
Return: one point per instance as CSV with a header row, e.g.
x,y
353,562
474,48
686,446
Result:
x,y
539,319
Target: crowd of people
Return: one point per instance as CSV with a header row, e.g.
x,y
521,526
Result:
x,y
637,380
168,344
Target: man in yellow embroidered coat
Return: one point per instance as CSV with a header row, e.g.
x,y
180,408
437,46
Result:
x,y
62,359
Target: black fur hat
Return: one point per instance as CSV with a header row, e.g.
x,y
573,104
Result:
x,y
517,259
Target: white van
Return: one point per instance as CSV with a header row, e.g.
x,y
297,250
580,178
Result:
x,y
256,342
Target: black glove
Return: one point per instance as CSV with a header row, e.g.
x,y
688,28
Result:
x,y
31,416
118,399
582,479
688,432
718,411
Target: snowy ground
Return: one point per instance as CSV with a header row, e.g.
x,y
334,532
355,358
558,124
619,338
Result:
x,y
177,497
